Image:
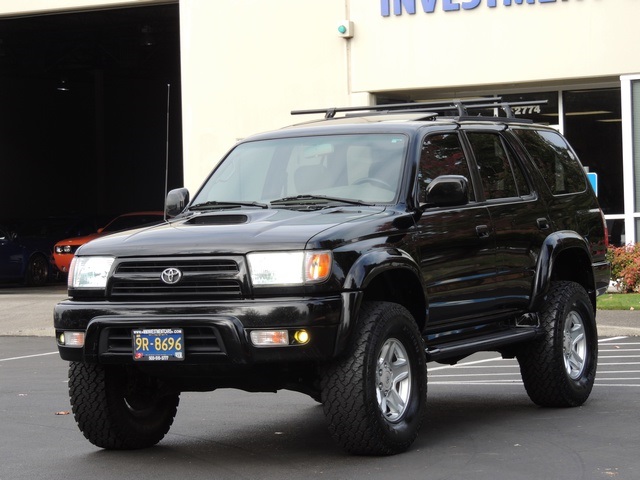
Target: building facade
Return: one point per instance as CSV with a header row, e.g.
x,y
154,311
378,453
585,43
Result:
x,y
245,64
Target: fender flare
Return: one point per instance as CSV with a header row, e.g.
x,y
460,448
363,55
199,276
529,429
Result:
x,y
375,262
365,269
552,247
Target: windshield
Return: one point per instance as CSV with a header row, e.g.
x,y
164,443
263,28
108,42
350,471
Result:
x,y
354,168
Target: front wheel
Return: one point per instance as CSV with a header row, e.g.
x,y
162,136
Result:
x,y
115,408
37,271
559,368
374,397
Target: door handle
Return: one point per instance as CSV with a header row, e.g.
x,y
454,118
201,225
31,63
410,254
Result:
x,y
543,223
482,231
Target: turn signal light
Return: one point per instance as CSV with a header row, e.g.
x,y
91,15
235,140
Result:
x,y
317,266
269,338
71,339
279,338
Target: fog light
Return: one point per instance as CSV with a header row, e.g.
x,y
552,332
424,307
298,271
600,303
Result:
x,y
301,336
71,339
269,338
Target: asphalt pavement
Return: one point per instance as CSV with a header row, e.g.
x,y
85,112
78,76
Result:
x,y
480,425
29,312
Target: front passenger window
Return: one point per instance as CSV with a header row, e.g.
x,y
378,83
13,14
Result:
x,y
442,154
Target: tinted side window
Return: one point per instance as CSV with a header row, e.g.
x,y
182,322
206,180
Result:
x,y
554,158
501,175
442,154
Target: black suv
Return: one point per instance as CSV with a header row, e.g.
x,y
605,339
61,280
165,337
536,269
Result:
x,y
336,258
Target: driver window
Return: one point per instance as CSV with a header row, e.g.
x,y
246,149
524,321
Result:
x,y
442,154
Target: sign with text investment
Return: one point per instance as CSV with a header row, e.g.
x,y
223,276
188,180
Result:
x,y
429,6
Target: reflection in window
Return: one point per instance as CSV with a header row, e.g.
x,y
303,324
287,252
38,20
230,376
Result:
x,y
442,155
366,168
496,167
554,158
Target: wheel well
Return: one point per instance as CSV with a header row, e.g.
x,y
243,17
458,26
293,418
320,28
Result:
x,y
574,265
398,286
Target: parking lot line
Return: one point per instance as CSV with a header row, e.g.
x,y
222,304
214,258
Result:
x,y
27,356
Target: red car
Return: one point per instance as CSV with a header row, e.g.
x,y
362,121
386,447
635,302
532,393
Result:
x,y
64,250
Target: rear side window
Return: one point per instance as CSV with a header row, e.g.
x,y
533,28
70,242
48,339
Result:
x,y
559,166
501,175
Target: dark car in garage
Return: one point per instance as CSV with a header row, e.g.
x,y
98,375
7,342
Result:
x,y
25,256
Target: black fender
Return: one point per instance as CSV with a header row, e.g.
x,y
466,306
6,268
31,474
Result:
x,y
365,269
377,261
553,246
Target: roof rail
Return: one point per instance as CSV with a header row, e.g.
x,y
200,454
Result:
x,y
460,106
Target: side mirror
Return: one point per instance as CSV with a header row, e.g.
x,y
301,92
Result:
x,y
177,200
447,191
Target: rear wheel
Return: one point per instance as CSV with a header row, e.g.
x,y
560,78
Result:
x,y
559,368
115,408
375,397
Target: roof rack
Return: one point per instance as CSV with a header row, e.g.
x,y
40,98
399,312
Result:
x,y
460,106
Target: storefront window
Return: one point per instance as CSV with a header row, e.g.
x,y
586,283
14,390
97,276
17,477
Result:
x,y
593,126
635,125
546,114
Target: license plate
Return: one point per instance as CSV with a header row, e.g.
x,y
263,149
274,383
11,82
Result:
x,y
158,344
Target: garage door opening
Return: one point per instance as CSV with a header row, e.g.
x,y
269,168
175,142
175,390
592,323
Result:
x,y
83,117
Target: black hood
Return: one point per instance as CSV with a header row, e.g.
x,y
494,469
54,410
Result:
x,y
240,232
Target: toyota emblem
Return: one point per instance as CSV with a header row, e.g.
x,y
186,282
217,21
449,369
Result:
x,y
171,276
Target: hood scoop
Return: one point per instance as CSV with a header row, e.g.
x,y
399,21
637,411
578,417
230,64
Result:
x,y
218,220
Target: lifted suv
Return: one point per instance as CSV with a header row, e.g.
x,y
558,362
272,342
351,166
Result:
x,y
337,258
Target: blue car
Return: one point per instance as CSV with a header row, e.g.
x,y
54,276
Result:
x,y
25,257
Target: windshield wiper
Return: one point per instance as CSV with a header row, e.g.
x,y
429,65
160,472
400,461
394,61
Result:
x,y
215,204
315,199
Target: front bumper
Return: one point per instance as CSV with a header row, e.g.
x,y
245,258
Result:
x,y
215,333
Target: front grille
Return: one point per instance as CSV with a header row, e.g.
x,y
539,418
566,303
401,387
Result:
x,y
116,341
200,278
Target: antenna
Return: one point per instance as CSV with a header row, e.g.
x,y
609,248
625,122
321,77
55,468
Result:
x,y
166,160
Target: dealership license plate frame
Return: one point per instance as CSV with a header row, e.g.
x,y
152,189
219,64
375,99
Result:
x,y
170,340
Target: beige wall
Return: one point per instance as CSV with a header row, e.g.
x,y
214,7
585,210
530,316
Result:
x,y
18,7
502,45
247,64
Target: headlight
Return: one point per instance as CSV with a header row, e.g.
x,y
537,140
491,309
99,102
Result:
x,y
89,272
64,249
289,268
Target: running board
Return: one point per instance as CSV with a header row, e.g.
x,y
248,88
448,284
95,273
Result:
x,y
493,341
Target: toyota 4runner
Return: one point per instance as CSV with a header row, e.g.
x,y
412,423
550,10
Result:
x,y
337,258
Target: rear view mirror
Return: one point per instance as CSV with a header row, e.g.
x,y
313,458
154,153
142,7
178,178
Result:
x,y
447,191
177,200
